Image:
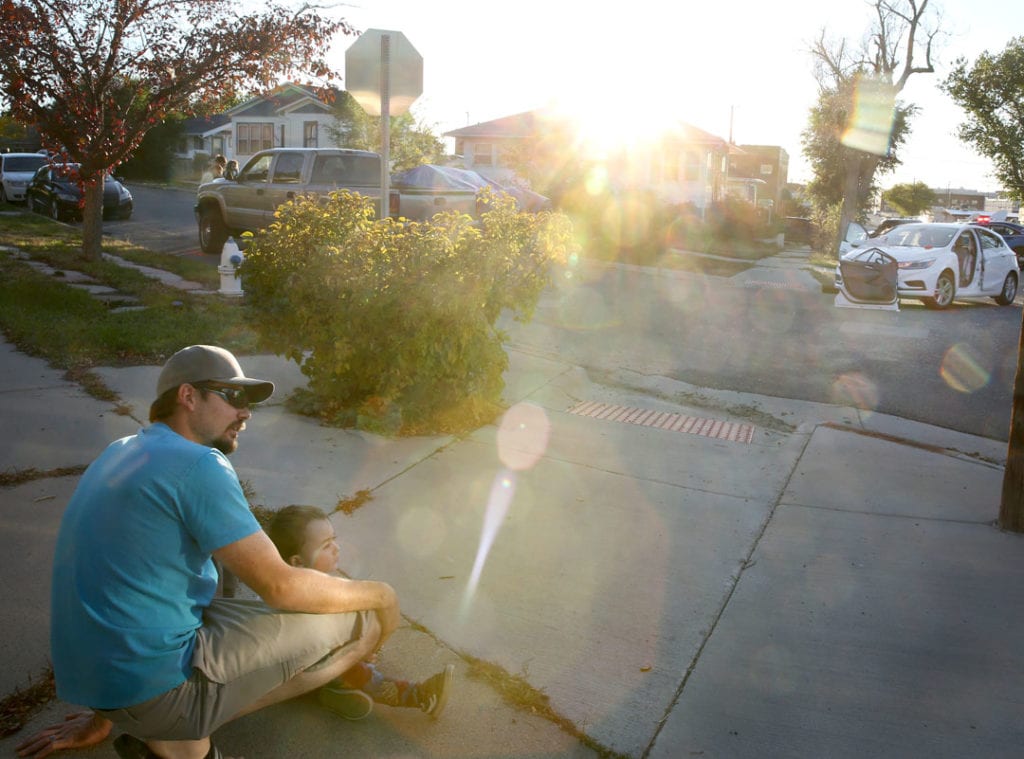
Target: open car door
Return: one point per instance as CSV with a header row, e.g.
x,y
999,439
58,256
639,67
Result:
x,y
868,280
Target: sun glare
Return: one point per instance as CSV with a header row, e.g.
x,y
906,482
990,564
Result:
x,y
617,107
607,124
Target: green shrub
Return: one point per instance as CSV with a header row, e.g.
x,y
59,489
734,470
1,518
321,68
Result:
x,y
826,229
393,321
636,227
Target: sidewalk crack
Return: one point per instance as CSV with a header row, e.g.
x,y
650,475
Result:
x,y
746,563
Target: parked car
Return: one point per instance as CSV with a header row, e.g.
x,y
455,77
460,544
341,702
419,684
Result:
x,y
16,169
798,229
886,224
934,263
855,236
427,189
1014,236
54,190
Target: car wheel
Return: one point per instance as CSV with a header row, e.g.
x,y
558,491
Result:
x,y
212,232
1009,292
945,291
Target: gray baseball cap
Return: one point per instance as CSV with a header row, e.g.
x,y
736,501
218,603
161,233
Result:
x,y
208,363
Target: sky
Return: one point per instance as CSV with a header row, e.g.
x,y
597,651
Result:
x,y
731,67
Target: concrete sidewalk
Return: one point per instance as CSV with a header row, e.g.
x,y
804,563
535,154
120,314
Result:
x,y
834,587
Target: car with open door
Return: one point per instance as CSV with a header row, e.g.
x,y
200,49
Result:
x,y
935,263
867,278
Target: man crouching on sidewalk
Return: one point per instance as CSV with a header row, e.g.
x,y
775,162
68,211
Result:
x,y
136,633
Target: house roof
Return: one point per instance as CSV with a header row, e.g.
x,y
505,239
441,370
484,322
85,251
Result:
x,y
529,123
205,125
287,98
519,125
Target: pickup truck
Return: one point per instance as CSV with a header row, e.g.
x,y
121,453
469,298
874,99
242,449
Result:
x,y
246,203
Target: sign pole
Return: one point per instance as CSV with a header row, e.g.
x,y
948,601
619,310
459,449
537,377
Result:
x,y
385,123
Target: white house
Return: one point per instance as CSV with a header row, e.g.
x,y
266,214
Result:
x,y
289,116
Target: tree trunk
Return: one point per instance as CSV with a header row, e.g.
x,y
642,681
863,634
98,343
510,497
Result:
x,y
92,221
859,172
1011,506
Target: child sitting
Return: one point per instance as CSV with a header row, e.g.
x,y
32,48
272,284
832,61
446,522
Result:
x,y
305,537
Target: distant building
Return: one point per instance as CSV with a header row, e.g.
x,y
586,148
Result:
x,y
684,165
767,163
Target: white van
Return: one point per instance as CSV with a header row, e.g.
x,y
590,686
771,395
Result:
x,y
16,169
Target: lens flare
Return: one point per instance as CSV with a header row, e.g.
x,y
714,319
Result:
x,y
523,436
502,491
596,181
855,389
873,114
961,370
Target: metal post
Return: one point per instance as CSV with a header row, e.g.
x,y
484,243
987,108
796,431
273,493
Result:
x,y
385,123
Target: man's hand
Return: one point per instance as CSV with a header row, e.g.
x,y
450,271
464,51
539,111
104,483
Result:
x,y
78,730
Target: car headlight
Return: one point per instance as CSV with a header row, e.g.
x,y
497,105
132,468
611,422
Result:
x,y
923,264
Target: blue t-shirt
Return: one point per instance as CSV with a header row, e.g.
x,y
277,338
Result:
x,y
132,570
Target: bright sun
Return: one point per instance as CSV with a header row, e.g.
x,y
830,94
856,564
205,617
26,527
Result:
x,y
608,122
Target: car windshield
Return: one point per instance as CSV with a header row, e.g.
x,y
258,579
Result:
x,y
919,236
24,162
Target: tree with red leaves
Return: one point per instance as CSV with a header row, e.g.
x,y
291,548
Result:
x,y
94,76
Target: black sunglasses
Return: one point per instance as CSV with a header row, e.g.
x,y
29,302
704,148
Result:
x,y
235,396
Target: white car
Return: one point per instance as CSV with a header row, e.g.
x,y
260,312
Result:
x,y
935,263
16,169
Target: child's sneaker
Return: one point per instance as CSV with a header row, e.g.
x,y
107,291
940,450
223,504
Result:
x,y
432,694
345,702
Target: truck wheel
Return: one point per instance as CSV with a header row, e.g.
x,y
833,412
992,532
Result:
x,y
212,232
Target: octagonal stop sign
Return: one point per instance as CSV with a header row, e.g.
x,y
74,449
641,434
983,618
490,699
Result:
x,y
376,52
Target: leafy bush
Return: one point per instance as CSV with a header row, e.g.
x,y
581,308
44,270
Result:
x,y
393,321
826,226
636,227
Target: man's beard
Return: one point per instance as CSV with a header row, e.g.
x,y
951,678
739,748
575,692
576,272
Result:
x,y
228,445
225,446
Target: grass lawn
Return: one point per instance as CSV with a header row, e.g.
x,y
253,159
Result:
x,y
46,317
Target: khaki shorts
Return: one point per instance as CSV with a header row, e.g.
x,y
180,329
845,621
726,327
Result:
x,y
244,650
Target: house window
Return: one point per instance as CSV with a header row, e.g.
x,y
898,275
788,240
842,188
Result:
x,y
309,134
766,169
482,154
691,166
670,167
255,137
